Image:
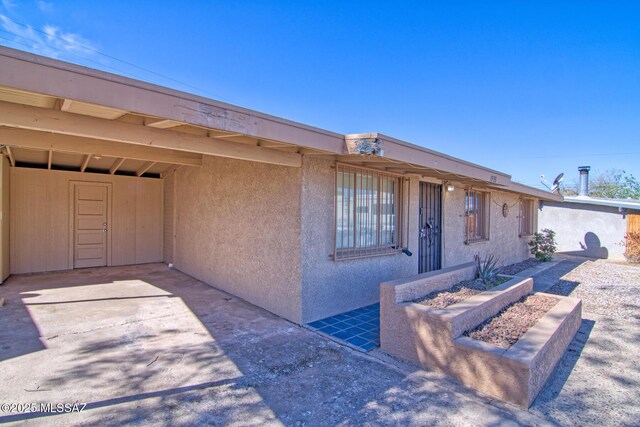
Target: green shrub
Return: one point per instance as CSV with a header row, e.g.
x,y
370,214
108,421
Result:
x,y
543,245
632,245
487,268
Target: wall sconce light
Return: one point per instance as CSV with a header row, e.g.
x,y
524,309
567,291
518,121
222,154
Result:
x,y
450,188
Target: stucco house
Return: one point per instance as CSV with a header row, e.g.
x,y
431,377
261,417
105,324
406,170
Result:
x,y
102,170
587,226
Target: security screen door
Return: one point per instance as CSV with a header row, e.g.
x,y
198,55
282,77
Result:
x,y
430,226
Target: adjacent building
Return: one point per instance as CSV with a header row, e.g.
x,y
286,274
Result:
x,y
592,227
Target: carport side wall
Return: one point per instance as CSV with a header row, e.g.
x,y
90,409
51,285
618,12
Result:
x,y
504,240
169,217
330,287
572,222
238,229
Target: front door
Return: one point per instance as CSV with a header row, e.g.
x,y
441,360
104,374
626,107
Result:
x,y
91,224
430,226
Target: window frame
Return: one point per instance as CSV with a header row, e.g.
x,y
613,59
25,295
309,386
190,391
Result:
x,y
526,204
484,212
379,203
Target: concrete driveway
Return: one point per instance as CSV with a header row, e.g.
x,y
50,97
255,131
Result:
x,y
144,345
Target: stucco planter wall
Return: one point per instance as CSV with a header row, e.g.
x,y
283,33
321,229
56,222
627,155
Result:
x,y
434,337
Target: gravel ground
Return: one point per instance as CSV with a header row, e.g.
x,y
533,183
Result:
x,y
505,328
606,288
458,292
519,266
597,382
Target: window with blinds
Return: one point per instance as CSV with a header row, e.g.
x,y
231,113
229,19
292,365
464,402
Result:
x,y
476,216
368,212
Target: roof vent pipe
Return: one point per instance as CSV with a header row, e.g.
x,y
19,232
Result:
x,y
583,188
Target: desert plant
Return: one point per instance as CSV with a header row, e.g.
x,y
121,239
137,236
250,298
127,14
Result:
x,y
632,245
486,268
543,245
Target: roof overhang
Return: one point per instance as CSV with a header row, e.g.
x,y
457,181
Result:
x,y
402,156
616,203
515,187
63,80
50,105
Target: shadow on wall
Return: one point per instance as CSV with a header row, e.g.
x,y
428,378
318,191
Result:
x,y
591,247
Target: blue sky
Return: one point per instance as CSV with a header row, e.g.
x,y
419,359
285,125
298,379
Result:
x,y
528,89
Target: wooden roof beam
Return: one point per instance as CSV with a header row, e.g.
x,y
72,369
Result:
x,y
85,162
231,135
171,169
114,167
144,168
65,104
162,124
47,120
12,159
78,145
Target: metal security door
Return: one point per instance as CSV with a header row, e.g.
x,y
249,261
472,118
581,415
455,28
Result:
x,y
430,226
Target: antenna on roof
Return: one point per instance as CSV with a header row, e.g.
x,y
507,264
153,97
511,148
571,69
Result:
x,y
556,182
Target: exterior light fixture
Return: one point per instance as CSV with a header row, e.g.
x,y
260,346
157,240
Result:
x,y
450,188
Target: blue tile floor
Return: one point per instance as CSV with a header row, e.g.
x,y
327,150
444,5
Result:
x,y
359,328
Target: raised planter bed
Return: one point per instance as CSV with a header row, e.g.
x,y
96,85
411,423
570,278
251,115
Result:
x,y
505,328
459,292
434,337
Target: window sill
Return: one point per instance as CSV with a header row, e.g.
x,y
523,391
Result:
x,y
364,256
526,236
476,242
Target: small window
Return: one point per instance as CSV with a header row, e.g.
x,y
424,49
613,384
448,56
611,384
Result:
x,y
367,213
527,226
476,216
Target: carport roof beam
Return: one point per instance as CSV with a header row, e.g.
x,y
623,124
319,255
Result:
x,y
85,162
79,145
116,165
144,168
46,120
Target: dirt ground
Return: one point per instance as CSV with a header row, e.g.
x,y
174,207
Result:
x,y
597,382
459,292
506,328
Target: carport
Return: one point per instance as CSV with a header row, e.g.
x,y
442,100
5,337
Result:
x,y
89,158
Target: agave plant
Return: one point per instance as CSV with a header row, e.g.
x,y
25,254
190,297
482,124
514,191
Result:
x,y
486,268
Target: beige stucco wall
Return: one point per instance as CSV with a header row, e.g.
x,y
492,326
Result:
x,y
330,287
238,229
504,241
266,234
600,229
